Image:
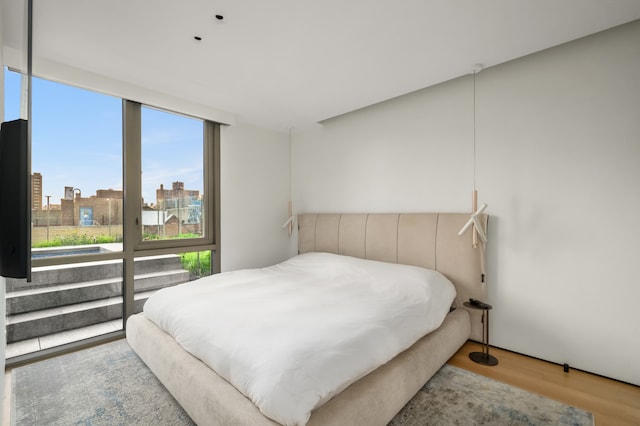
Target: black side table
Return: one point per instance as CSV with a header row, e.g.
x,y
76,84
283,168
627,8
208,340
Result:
x,y
483,357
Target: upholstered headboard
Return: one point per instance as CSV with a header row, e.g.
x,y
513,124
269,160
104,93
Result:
x,y
429,240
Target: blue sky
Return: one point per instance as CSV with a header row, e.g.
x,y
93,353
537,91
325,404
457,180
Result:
x,y
77,141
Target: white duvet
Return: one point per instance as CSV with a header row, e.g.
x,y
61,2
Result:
x,y
291,336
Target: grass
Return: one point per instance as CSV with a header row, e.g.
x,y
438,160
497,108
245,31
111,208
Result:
x,y
197,263
76,239
148,237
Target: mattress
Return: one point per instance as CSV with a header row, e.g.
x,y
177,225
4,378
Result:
x,y
352,315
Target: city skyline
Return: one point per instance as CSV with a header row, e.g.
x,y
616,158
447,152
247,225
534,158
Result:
x,y
77,141
43,201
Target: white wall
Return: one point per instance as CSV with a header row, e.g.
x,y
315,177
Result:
x,y
254,196
558,148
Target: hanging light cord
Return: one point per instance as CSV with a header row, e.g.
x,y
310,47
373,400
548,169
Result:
x,y
475,71
291,219
474,222
290,163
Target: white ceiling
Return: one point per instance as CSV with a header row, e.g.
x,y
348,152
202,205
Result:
x,y
283,63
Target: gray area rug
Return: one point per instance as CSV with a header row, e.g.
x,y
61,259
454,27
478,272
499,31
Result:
x,y
103,385
455,396
110,385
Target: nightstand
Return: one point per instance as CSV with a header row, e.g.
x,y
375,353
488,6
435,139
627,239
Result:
x,y
483,357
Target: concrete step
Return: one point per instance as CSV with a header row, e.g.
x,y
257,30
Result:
x,y
66,297
36,344
160,279
47,276
149,264
34,299
54,320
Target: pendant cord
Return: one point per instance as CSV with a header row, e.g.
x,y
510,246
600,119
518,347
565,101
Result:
x,y
474,222
290,218
290,164
474,129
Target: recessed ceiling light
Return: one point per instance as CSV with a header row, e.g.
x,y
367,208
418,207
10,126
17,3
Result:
x,y
197,38
218,17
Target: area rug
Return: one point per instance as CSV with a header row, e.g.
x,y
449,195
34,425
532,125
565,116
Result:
x,y
454,396
100,386
110,385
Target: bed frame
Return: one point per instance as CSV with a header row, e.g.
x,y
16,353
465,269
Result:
x,y
423,239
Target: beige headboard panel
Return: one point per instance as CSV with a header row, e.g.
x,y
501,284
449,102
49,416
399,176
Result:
x,y
429,240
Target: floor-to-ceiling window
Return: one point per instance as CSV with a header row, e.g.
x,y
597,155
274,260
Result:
x,y
76,212
123,204
171,178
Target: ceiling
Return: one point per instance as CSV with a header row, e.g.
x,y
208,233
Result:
x,y
289,63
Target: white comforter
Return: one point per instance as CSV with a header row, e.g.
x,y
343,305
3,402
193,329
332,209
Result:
x,y
292,335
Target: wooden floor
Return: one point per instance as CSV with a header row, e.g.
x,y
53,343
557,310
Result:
x,y
611,402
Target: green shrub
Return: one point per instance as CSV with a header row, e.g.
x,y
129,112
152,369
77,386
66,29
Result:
x,y
197,263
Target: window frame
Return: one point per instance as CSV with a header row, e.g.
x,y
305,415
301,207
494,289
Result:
x,y
132,140
133,246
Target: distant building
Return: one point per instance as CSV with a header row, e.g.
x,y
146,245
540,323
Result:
x,y
177,211
102,209
36,191
176,198
109,193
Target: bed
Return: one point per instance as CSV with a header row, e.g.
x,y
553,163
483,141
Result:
x,y
428,240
